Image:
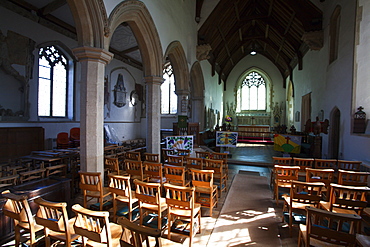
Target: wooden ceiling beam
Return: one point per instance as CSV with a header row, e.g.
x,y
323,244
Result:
x,y
309,15
198,10
54,5
134,48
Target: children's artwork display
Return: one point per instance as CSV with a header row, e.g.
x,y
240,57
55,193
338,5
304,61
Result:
x,y
179,142
226,138
287,143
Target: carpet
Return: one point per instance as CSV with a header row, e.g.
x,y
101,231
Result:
x,y
247,216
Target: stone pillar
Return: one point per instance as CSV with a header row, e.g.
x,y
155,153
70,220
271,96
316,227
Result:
x,y
153,114
93,62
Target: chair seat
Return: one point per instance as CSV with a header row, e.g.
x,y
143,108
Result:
x,y
126,199
205,190
297,205
116,232
61,235
157,180
106,192
186,213
162,205
25,225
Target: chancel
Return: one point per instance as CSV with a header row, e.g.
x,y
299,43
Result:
x,y
103,87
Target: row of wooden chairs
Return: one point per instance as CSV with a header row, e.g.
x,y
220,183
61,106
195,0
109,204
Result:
x,y
92,227
179,201
303,163
284,175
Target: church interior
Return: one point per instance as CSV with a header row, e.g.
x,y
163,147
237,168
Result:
x,y
129,113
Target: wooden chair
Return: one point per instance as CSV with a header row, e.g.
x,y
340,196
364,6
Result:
x,y
302,194
131,155
150,200
120,187
283,177
74,136
111,166
220,178
325,228
56,170
153,172
206,191
136,235
151,157
184,214
53,217
192,162
202,154
325,176
165,153
281,161
63,141
303,163
326,164
349,165
222,156
91,185
353,178
175,175
9,180
95,228
17,208
175,160
134,168
346,199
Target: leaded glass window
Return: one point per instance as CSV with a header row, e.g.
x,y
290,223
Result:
x,y
252,93
168,95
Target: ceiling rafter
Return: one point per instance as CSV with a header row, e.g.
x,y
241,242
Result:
x,y
54,5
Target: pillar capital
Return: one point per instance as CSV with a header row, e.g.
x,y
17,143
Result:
x,y
92,53
152,79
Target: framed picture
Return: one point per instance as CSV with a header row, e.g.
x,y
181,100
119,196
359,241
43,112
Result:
x,y
179,142
226,138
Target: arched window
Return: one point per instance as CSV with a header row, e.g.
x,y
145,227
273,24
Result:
x,y
168,95
252,93
53,82
334,34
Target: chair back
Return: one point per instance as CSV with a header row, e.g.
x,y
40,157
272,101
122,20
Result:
x,y
153,171
175,160
93,225
344,197
333,228
320,175
192,162
17,208
183,152
219,156
63,140
111,165
179,197
202,178
303,163
91,181
166,152
148,192
216,165
286,173
286,161
349,165
326,164
151,157
120,186
202,154
353,178
136,235
74,133
131,155
306,192
175,174
54,217
134,168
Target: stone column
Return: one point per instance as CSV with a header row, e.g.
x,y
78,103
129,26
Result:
x,y
153,113
93,62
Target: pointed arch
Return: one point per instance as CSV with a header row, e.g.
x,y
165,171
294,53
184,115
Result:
x,y
137,16
176,54
91,20
196,81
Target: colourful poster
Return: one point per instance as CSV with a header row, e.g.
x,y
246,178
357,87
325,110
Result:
x,y
179,142
226,138
287,143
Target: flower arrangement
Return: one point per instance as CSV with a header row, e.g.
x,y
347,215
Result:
x,y
228,119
